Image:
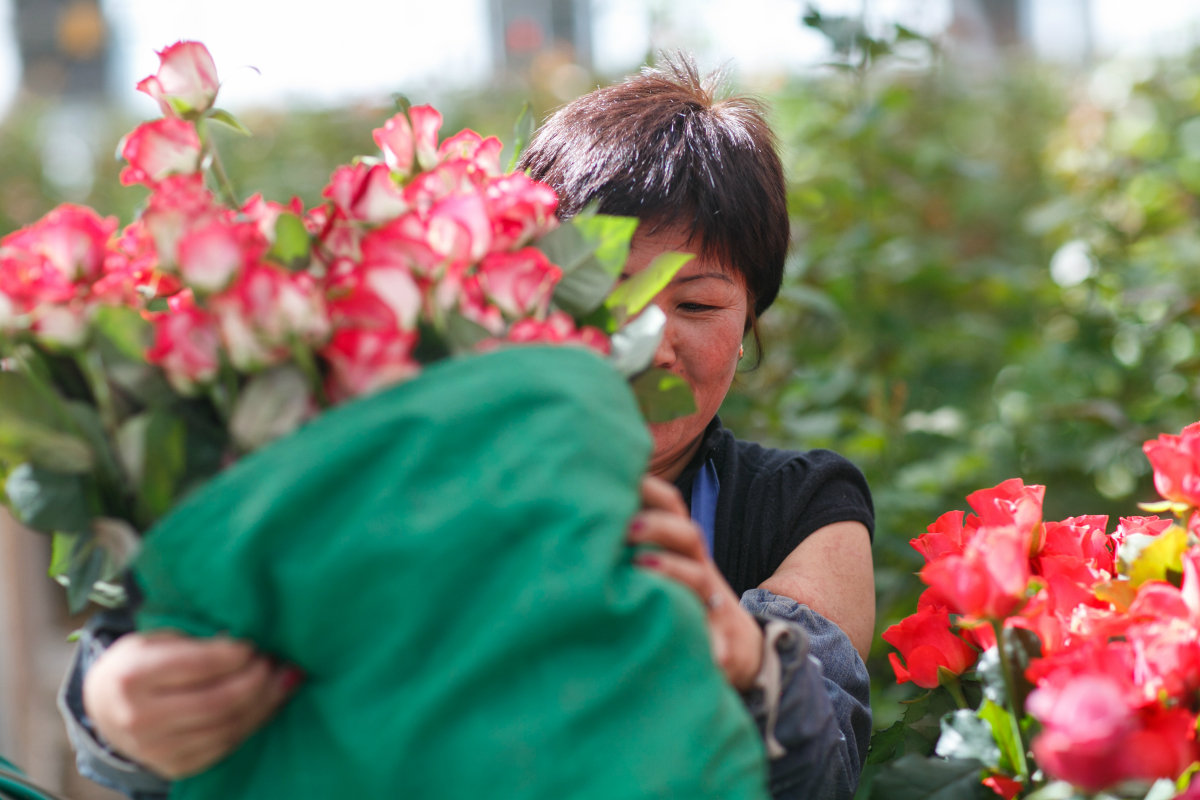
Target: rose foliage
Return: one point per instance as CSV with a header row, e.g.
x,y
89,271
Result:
x,y
1086,642
139,361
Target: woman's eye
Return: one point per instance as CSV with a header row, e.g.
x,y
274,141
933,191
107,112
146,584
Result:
x,y
695,307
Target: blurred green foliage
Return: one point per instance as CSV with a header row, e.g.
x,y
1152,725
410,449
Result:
x,y
994,273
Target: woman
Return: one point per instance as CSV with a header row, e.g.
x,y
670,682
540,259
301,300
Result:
x,y
776,544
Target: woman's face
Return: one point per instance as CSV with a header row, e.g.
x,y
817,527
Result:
x,y
706,307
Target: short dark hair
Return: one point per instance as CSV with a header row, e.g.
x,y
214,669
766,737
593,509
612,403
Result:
x,y
665,147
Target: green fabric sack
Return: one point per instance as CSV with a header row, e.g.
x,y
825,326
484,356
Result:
x,y
446,560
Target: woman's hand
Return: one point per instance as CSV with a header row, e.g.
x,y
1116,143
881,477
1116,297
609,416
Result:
x,y
177,705
664,521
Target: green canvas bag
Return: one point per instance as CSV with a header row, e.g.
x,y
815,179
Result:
x,y
447,562
15,786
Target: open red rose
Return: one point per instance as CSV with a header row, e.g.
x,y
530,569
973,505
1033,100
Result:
x,y
1176,462
988,580
943,538
1010,503
926,643
186,82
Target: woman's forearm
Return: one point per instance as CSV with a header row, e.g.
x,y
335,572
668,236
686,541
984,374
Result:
x,y
823,719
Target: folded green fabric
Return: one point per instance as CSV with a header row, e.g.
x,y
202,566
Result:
x,y
446,561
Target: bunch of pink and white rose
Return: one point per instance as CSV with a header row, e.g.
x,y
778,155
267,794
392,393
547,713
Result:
x,y
136,363
425,230
1100,632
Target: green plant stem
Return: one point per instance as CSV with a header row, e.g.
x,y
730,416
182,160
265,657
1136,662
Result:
x,y
93,369
308,365
954,687
1010,697
218,168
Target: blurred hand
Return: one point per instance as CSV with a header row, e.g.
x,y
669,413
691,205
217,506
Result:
x,y
664,521
177,705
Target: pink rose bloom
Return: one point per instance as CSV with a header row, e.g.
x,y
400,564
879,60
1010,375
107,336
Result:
x,y
186,344
130,271
559,328
458,227
265,310
520,283
1094,738
395,139
467,145
211,254
365,193
186,82
71,239
521,209
401,243
1176,462
156,150
426,122
177,205
363,361
265,213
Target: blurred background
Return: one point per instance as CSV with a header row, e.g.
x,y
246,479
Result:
x,y
996,260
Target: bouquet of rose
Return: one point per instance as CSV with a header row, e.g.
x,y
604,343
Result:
x,y
443,554
1071,654
140,362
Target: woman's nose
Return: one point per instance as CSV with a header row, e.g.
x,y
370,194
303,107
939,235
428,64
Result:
x,y
664,356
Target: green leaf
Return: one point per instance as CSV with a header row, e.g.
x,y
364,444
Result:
x,y
523,130
663,396
887,745
292,242
1002,729
463,334
591,250
965,735
629,298
917,778
225,118
403,104
125,328
611,235
164,459
48,501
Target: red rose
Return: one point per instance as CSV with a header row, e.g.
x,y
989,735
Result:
x,y
1176,462
926,643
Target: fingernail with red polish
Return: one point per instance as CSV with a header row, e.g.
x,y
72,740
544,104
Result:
x,y
649,561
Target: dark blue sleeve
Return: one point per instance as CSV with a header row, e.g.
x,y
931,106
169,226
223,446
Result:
x,y
823,721
94,759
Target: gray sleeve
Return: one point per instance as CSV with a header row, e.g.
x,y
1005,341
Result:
x,y
823,718
94,759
